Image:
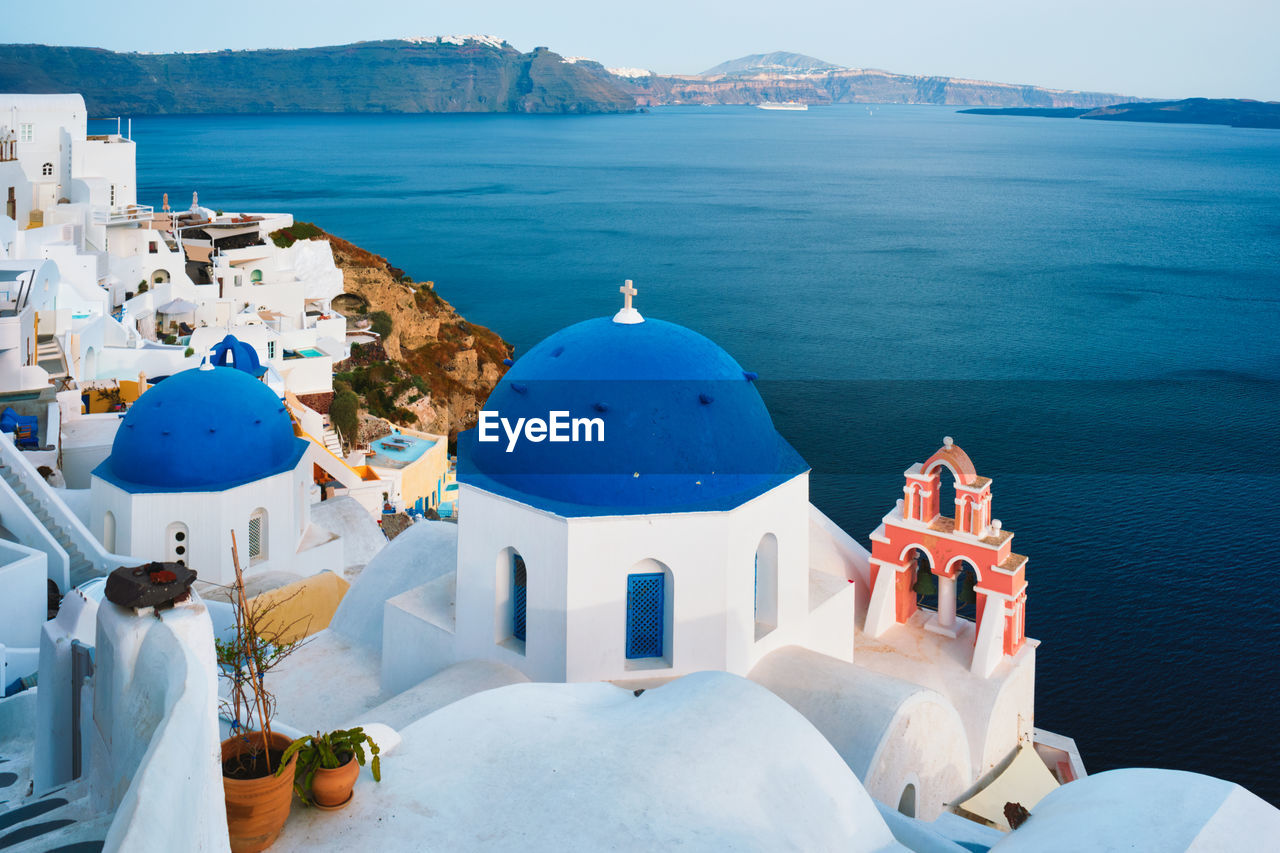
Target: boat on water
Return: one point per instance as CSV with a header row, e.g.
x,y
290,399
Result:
x,y
783,105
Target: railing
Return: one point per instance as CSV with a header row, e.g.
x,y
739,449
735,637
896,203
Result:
x,y
118,215
341,443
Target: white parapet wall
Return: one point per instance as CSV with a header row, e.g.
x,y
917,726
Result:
x,y
156,749
23,580
75,622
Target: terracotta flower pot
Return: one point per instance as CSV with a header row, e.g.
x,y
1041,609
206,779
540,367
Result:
x,y
257,808
331,788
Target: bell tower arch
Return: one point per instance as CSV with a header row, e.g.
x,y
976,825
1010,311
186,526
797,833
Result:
x,y
970,557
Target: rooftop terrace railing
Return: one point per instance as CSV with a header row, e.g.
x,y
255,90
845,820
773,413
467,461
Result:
x,y
120,215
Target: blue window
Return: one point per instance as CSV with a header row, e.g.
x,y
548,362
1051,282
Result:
x,y
519,579
645,615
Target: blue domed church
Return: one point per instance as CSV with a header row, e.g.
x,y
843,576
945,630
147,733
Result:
x,y
629,511
201,454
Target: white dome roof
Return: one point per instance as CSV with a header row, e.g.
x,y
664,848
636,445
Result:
x,y
1145,809
707,762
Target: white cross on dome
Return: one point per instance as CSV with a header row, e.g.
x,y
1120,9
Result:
x,y
628,315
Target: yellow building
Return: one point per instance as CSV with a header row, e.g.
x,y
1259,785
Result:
x,y
415,466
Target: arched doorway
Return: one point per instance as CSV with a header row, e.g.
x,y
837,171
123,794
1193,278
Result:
x,y
109,531
159,276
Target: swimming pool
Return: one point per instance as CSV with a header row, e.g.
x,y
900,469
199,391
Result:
x,y
309,352
398,450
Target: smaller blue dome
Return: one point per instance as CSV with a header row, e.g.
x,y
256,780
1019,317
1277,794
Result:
x,y
233,352
204,430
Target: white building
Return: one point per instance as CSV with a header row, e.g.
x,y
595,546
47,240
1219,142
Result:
x,y
202,454
678,543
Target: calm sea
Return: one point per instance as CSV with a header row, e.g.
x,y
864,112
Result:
x,y
1091,309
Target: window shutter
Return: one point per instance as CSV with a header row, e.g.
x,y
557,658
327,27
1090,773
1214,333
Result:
x,y
255,536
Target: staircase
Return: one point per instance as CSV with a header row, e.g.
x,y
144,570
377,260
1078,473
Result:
x,y
332,441
82,568
49,356
86,557
58,822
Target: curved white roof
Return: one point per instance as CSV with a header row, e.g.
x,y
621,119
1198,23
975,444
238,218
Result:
x,y
421,553
1145,809
707,762
43,103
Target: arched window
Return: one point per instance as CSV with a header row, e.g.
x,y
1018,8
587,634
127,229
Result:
x,y
946,493
907,802
109,531
511,608
177,544
766,585
159,276
256,276
646,615
46,169
519,582
258,535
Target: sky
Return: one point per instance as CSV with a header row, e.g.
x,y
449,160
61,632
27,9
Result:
x,y
1144,48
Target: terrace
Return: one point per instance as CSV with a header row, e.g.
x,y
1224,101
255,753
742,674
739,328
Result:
x,y
397,450
122,215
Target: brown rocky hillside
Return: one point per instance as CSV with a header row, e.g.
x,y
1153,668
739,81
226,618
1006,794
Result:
x,y
438,369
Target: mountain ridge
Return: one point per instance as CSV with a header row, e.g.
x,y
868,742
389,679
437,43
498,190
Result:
x,y
471,74
779,61
463,74
786,76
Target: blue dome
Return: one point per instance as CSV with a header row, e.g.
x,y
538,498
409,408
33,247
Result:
x,y
202,431
684,427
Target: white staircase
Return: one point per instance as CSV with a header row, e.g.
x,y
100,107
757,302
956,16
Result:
x,y
49,356
59,820
81,568
86,557
332,441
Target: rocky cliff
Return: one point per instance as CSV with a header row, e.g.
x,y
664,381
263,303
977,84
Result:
x,y
1228,111
452,74
851,85
433,369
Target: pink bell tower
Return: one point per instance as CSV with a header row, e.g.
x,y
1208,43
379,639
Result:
x,y
970,536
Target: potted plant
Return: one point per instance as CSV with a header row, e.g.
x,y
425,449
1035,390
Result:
x,y
328,764
257,797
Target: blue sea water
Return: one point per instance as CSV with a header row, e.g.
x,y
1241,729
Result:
x,y
1089,308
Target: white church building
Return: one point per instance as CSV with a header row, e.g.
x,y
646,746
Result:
x,y
203,453
678,543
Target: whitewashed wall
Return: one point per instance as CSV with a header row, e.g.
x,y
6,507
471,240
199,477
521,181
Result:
x,y
143,519
577,587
